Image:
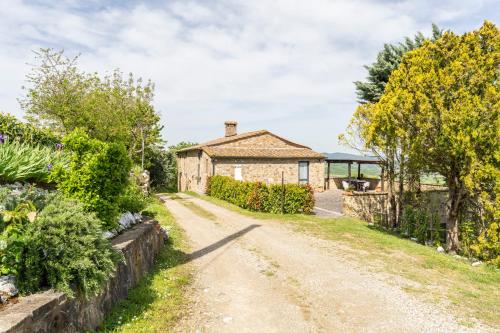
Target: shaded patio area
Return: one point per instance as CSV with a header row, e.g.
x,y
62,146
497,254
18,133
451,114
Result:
x,y
358,182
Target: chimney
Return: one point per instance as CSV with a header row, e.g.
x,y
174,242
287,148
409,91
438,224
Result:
x,y
230,128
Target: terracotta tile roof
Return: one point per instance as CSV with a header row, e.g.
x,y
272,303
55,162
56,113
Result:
x,y
226,140
215,148
262,152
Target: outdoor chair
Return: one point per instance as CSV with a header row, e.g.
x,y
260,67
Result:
x,y
345,185
366,186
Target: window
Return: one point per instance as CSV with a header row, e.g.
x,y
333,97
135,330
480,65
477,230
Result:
x,y
237,172
303,172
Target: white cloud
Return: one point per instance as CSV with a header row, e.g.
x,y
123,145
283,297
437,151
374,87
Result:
x,y
287,66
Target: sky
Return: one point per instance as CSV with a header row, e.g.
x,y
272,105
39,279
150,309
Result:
x,y
284,66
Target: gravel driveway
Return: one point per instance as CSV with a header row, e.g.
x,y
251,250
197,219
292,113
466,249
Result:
x,y
260,276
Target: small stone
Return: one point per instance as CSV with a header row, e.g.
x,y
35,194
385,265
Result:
x,y
205,290
127,220
440,249
227,319
8,287
165,231
137,217
414,239
108,234
477,263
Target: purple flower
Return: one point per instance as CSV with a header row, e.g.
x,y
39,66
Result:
x,y
49,167
59,146
2,138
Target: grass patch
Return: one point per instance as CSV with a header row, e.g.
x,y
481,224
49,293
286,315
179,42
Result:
x,y
157,302
474,292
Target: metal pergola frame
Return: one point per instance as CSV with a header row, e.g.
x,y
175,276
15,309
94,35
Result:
x,y
349,159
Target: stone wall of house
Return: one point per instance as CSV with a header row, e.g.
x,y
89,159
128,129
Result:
x,y
188,177
53,312
270,170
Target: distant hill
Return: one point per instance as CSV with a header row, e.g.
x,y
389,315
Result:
x,y
368,170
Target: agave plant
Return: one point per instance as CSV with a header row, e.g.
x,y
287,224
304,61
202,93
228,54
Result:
x,y
23,162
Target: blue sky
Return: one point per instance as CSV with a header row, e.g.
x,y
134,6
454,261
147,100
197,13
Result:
x,y
285,66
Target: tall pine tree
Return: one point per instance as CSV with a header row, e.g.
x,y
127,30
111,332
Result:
x,y
370,90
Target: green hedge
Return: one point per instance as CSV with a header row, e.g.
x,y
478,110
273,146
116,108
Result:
x,y
260,197
11,129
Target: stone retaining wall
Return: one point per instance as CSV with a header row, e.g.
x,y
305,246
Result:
x,y
367,206
364,206
53,312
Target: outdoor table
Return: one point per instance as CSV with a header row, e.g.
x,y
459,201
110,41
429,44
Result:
x,y
358,184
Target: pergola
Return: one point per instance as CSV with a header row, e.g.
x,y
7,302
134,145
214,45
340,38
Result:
x,y
349,159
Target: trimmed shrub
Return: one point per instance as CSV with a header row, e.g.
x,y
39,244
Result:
x,y
97,175
65,250
256,196
11,129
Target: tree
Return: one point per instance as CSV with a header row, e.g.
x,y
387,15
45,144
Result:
x,y
163,165
369,91
172,160
441,109
62,98
388,59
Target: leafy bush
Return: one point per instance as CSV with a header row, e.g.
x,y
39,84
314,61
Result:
x,y
23,162
65,250
12,130
133,199
418,223
261,197
159,165
13,222
468,237
18,207
97,175
162,165
487,245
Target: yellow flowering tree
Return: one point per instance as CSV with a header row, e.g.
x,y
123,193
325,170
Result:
x,y
440,113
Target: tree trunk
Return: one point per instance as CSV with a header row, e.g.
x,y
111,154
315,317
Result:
x,y
454,205
391,199
401,192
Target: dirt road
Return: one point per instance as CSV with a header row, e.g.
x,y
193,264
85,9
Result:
x,y
259,276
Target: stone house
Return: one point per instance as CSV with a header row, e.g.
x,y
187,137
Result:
x,y
252,156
